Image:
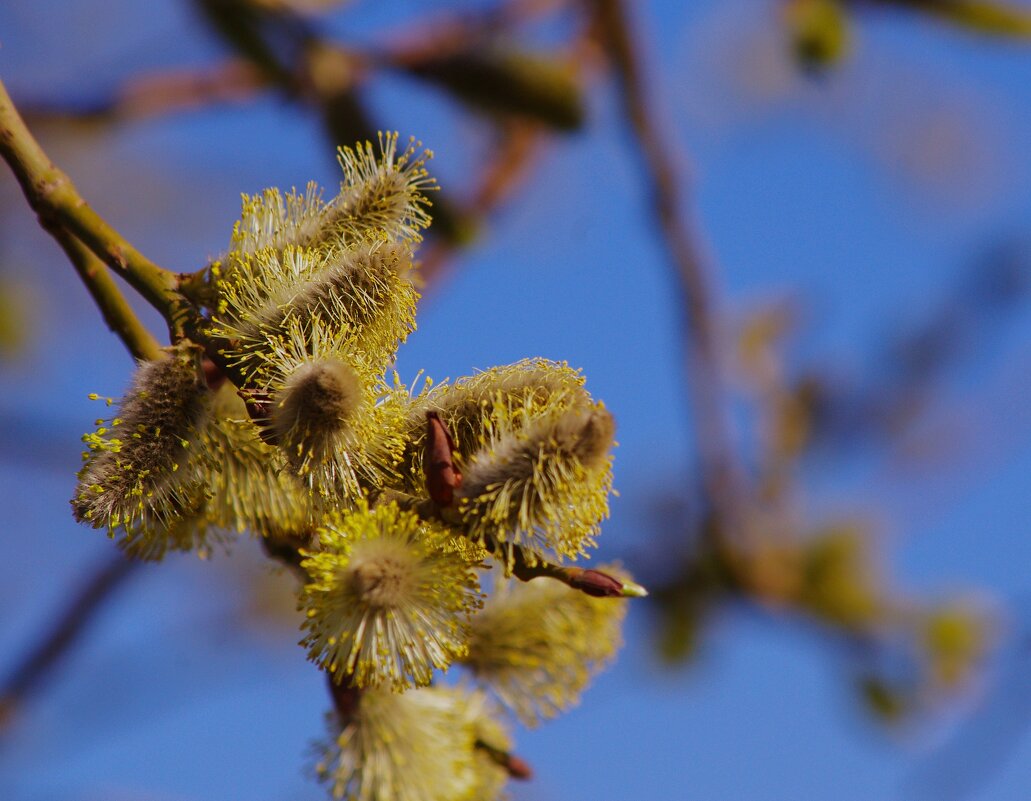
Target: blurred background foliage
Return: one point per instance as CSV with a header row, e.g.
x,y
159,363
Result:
x,y
505,85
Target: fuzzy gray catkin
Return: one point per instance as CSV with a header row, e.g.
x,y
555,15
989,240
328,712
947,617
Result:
x,y
132,472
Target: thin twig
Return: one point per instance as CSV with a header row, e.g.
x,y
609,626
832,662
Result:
x,y
117,312
53,197
32,671
719,474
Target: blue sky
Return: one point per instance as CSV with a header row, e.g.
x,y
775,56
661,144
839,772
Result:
x,y
860,196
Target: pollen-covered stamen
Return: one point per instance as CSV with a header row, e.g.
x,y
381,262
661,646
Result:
x,y
135,468
467,407
313,409
385,191
388,601
413,746
321,400
540,483
365,289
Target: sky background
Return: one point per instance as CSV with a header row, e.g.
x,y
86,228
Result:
x,y
861,197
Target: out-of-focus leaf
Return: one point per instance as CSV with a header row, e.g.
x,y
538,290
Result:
x,y
838,581
997,19
885,702
820,35
509,82
955,637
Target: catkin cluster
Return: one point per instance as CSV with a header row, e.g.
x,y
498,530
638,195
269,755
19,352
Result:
x,y
393,500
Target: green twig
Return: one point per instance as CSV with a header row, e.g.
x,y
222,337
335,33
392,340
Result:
x,y
54,198
115,309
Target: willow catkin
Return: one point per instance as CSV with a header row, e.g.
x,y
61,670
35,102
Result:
x,y
133,473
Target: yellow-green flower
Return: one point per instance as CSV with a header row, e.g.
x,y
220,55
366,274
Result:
x,y
540,480
415,746
537,644
466,407
381,192
326,416
387,602
133,474
487,777
238,482
364,291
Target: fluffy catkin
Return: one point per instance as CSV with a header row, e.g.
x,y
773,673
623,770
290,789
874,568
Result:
x,y
383,195
314,408
326,416
539,482
537,644
467,407
366,289
388,601
415,746
132,474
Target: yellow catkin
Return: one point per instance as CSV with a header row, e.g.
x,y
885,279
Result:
x,y
386,602
537,644
133,476
415,746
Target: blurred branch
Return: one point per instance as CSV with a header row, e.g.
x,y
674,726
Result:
x,y
719,475
33,670
159,93
983,16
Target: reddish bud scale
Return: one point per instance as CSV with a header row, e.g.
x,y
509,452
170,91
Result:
x,y
595,583
518,768
442,477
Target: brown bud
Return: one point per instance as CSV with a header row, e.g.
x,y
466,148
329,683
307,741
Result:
x,y
442,477
214,376
596,583
518,768
345,697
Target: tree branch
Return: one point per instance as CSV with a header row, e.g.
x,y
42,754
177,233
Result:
x,y
39,664
54,198
719,474
115,309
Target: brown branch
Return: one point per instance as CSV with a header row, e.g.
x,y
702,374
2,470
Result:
x,y
160,93
590,582
703,373
31,672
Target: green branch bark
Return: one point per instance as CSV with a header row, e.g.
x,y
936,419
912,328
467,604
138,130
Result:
x,y
54,198
114,308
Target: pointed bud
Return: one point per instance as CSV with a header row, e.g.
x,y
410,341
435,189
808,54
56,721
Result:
x,y
442,477
632,589
595,583
518,768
